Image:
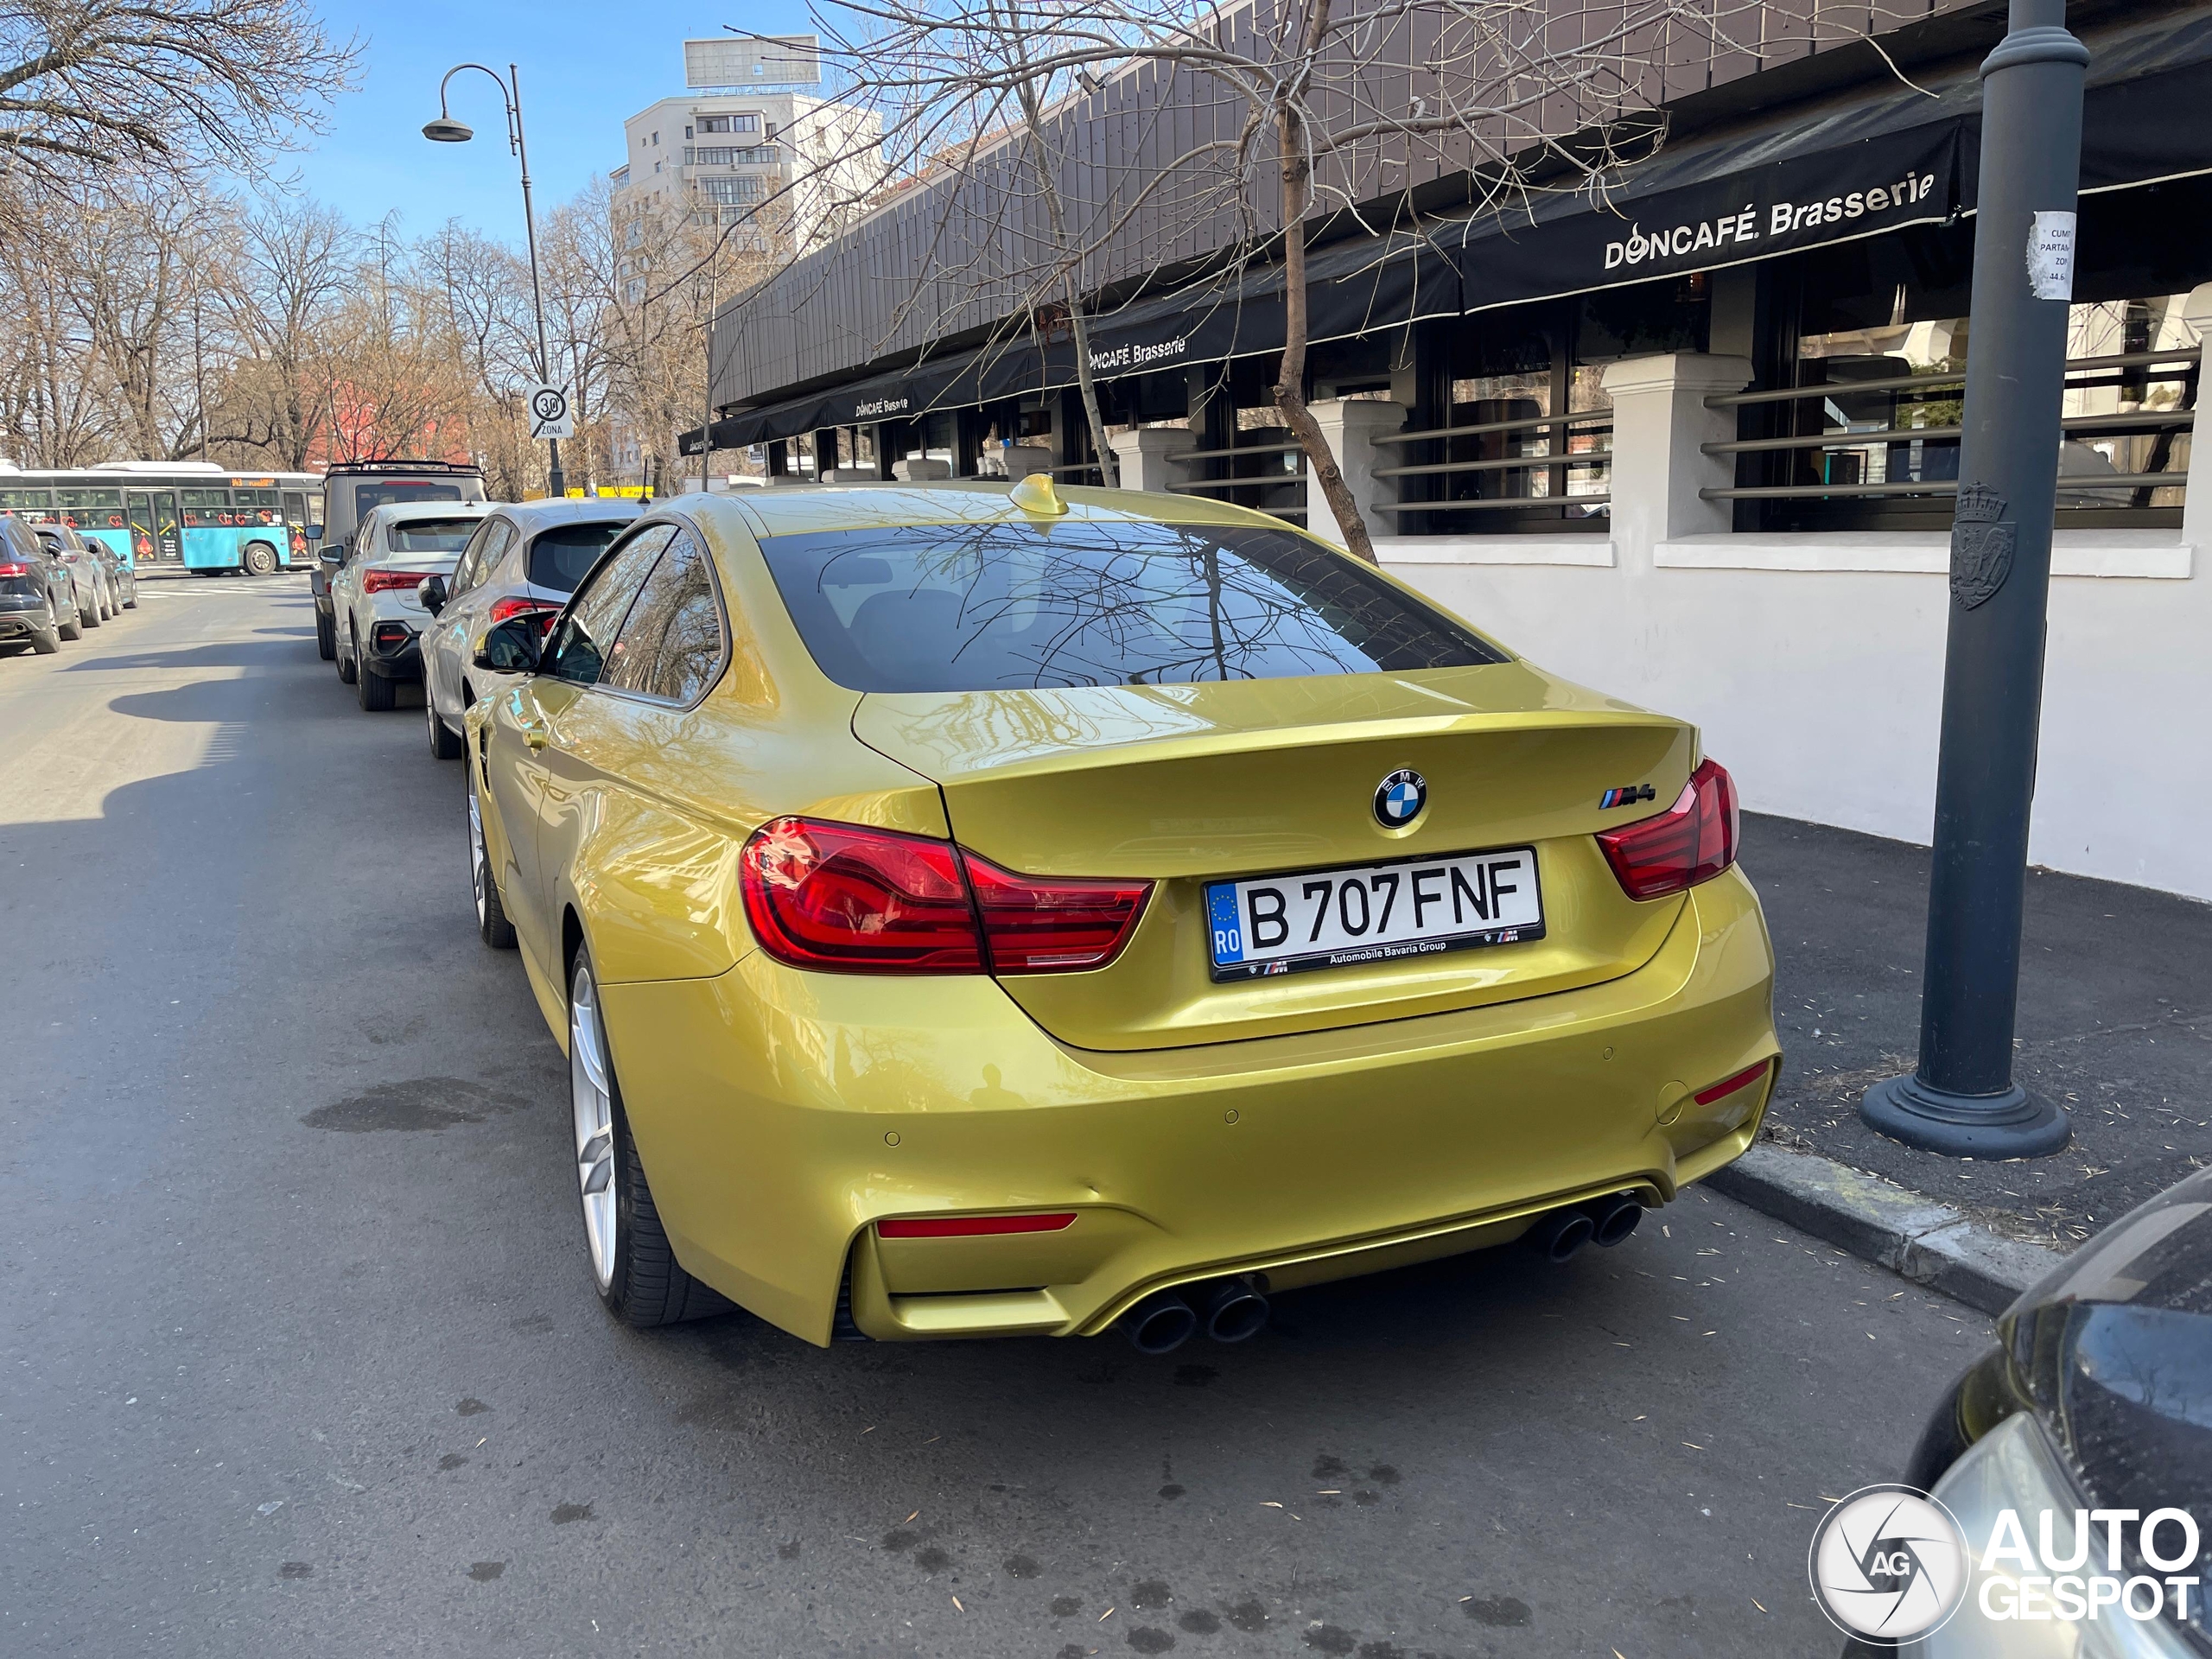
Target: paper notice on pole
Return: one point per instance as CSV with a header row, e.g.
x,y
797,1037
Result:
x,y
2051,257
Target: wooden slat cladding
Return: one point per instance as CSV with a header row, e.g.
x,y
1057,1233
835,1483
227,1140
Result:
x,y
961,252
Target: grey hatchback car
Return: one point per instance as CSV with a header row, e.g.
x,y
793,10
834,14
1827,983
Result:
x,y
523,561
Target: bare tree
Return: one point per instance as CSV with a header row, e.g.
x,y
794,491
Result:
x,y
167,88
1308,104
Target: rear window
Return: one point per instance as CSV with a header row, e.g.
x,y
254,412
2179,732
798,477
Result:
x,y
990,607
371,493
430,535
559,558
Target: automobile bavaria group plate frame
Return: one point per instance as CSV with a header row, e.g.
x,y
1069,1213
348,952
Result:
x,y
1304,919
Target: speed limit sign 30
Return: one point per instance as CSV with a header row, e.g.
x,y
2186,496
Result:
x,y
549,416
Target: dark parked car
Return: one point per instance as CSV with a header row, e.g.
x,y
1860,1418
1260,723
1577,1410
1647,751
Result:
x,y
2097,1397
38,600
115,584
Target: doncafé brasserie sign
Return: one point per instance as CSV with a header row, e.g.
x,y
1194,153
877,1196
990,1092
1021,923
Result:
x,y
1748,223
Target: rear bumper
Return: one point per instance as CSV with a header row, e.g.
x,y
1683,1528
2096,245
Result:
x,y
20,616
400,661
781,1114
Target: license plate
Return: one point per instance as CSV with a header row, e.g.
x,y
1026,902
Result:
x,y
1376,912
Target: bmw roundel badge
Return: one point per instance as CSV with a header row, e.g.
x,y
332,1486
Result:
x,y
1399,798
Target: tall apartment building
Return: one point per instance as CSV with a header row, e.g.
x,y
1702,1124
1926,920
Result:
x,y
786,162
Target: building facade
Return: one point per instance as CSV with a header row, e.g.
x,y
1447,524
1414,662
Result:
x,y
1692,436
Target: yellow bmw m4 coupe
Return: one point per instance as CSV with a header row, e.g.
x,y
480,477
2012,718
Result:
x,y
974,911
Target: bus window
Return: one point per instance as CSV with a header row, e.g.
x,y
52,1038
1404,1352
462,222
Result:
x,y
92,509
207,509
37,505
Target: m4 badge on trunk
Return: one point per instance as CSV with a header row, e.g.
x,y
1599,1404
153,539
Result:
x,y
1399,798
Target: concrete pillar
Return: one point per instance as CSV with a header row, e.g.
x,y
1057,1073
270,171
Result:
x,y
2197,505
1659,421
1146,456
1351,425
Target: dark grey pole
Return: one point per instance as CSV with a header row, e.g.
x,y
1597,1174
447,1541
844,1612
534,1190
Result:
x,y
1962,1099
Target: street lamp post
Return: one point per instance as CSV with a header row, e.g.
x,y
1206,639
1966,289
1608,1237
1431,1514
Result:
x,y
1961,1098
447,131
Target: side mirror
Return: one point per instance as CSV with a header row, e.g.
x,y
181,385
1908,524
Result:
x,y
510,647
432,594
313,532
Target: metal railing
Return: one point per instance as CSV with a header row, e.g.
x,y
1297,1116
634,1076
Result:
x,y
1558,462
1225,487
2083,374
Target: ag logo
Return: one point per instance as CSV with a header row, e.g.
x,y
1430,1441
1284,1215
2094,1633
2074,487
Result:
x,y
1399,798
1889,1565
549,413
1981,547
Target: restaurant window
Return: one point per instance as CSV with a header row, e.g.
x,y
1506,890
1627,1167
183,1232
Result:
x,y
1512,429
1853,421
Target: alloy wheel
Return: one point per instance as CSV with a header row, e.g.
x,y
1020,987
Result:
x,y
591,1094
479,865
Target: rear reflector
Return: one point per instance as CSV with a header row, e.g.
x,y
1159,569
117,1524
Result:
x,y
1691,841
973,1226
1743,1079
378,580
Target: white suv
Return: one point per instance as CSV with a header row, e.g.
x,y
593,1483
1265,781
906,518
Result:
x,y
376,616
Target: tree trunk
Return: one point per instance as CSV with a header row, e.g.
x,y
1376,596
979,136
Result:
x,y
1109,471
1290,386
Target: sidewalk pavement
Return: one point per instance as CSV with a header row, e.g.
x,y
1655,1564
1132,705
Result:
x,y
2115,1022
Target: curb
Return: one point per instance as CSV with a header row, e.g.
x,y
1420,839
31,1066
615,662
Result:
x,y
1930,1243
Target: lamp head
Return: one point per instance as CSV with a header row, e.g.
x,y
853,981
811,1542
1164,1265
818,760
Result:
x,y
447,131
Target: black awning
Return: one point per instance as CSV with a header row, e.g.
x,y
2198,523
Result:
x,y
938,383
1857,167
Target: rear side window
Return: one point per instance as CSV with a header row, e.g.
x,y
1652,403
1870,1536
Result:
x,y
587,628
559,558
430,535
1007,606
671,646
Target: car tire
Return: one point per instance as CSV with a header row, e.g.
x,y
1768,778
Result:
x,y
491,915
46,642
131,603
348,665
325,637
95,616
373,689
444,745
74,628
633,1264
260,559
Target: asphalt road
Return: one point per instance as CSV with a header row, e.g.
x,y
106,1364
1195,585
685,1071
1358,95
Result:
x,y
302,1356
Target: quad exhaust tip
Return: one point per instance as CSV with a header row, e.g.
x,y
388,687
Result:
x,y
1159,1323
1228,1310
1604,1221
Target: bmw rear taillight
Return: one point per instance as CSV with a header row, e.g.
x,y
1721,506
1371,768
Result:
x,y
1691,841
544,612
1040,925
376,579
854,899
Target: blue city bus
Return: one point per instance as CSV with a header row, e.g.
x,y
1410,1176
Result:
x,y
182,515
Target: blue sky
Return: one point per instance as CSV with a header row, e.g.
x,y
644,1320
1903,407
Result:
x,y
584,68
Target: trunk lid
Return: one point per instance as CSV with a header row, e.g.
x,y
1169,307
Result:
x,y
1188,784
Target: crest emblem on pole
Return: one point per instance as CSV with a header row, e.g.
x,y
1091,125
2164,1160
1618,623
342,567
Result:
x,y
1981,547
